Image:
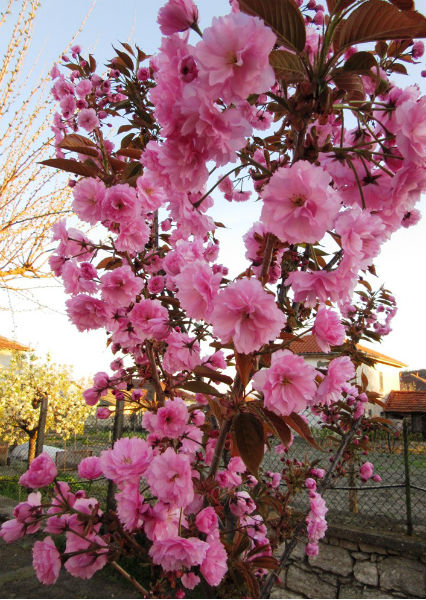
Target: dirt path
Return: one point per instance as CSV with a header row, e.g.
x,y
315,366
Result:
x,y
17,579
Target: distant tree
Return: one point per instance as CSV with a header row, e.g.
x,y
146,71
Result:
x,y
31,197
22,388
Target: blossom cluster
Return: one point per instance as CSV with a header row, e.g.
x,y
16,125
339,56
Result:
x,y
191,496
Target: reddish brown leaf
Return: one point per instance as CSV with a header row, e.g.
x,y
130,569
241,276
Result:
x,y
283,17
212,374
109,263
200,387
73,140
280,426
378,20
360,62
404,4
302,428
244,364
265,562
350,82
250,440
71,166
130,152
287,66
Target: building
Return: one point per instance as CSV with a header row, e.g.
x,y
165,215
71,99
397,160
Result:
x,y
382,378
409,404
7,347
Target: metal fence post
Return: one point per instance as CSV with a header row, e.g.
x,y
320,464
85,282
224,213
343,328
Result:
x,y
407,478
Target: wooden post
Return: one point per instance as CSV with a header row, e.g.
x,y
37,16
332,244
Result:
x,y
353,494
407,478
44,405
32,446
116,435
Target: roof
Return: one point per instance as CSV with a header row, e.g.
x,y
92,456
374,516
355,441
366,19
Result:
x,y
6,344
406,402
308,345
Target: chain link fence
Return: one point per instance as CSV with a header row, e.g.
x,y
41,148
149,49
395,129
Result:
x,y
396,503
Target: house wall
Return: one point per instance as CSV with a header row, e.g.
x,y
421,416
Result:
x,y
5,357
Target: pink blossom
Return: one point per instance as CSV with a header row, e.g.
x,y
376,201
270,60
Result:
x,y
247,314
130,506
133,236
410,118
310,287
288,385
149,319
46,561
12,530
172,419
299,204
85,564
362,235
87,119
328,329
411,218
156,284
311,484
162,521
90,468
83,88
206,520
120,204
178,552
182,354
340,370
86,312
127,461
177,15
241,504
169,477
190,580
234,54
312,549
149,193
88,197
366,471
41,473
120,286
103,412
214,565
79,279
315,520
197,289
28,513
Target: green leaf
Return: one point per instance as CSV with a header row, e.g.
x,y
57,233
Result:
x,y
378,20
283,17
360,62
248,431
287,66
200,387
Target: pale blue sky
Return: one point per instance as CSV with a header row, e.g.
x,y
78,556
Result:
x,y
135,21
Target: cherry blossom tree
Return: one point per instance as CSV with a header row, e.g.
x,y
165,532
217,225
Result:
x,y
289,104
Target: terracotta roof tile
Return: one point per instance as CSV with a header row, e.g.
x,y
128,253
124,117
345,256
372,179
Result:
x,y
6,344
406,402
308,345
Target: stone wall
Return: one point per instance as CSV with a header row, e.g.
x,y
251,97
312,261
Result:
x,y
356,564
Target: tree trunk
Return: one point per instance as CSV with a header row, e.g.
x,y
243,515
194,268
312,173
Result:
x,y
32,446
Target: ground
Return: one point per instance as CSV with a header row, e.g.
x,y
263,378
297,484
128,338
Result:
x,y
17,579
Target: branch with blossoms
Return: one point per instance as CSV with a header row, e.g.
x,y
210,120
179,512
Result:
x,y
274,102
